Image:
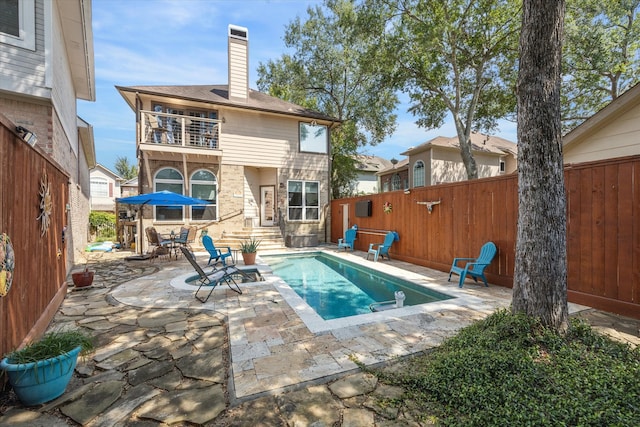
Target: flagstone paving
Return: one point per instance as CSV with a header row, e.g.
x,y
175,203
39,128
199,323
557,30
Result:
x,y
163,358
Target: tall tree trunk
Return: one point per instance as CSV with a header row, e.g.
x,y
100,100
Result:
x,y
540,278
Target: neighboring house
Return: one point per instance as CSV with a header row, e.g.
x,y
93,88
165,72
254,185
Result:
x,y
47,65
258,160
395,177
367,181
105,188
129,188
438,160
614,131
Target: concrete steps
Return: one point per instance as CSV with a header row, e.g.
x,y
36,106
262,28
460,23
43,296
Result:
x,y
270,238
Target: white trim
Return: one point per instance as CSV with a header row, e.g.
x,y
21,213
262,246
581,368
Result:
x,y
27,27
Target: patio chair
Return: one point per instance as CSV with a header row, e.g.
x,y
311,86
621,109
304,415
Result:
x,y
214,277
158,244
382,249
186,236
348,241
215,254
474,267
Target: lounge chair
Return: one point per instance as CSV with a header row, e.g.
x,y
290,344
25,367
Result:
x,y
215,254
214,277
474,267
382,249
348,241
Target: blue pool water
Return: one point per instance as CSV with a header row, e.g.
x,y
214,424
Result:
x,y
336,288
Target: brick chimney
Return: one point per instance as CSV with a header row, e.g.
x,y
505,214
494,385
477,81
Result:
x,y
238,63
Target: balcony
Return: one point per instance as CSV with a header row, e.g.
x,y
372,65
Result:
x,y
178,134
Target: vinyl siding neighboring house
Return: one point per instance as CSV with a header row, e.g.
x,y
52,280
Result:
x,y
105,188
43,72
253,156
367,181
612,132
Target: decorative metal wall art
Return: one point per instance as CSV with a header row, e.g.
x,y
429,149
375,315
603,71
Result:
x,y
46,204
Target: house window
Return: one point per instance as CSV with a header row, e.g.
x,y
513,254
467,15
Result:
x,y
18,23
204,186
502,166
304,200
396,182
171,180
418,174
314,138
99,186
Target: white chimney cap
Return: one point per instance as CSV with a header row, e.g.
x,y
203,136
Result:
x,y
238,32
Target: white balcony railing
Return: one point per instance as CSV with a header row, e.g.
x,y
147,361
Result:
x,y
176,130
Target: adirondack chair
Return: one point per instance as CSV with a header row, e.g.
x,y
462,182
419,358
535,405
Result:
x,y
474,267
348,241
215,255
382,249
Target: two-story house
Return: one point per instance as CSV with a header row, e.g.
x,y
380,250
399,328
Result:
x,y
47,64
259,161
367,167
105,188
438,161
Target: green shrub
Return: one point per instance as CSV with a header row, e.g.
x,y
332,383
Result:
x,y
510,370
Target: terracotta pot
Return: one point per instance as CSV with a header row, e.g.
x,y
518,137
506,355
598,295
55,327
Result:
x,y
249,258
82,279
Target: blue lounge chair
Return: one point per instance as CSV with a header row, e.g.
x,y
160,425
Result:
x,y
215,254
214,277
348,241
474,267
382,249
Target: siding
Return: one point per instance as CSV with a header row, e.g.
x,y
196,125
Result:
x,y
238,68
23,70
262,140
618,139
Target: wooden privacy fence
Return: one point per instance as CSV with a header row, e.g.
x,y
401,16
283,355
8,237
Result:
x,y
603,233
39,276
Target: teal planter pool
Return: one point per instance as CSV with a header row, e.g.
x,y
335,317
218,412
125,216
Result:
x,y
42,381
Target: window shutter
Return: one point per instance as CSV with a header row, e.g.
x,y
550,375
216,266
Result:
x,y
111,189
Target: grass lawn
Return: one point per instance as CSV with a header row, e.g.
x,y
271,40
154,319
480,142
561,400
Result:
x,y
508,370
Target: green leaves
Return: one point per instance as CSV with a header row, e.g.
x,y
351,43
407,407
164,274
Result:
x,y
510,370
326,71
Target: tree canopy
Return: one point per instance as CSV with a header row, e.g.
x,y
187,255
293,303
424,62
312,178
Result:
x,y
323,72
454,58
601,55
124,169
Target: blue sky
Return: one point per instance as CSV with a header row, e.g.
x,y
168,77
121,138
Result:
x,y
182,42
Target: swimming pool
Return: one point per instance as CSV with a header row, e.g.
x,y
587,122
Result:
x,y
336,288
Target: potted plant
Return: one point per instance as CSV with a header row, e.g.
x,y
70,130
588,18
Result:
x,y
249,249
84,278
41,371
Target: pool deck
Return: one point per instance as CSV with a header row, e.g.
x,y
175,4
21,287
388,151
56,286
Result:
x,y
277,343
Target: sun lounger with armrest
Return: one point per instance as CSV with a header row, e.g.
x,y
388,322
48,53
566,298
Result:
x,y
214,277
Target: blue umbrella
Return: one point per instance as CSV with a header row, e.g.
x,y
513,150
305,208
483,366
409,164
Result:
x,y
162,198
159,198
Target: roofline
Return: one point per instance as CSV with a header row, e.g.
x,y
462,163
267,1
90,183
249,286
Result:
x,y
621,104
231,105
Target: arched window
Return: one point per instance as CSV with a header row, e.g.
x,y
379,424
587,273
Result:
x,y
204,185
171,180
418,174
396,182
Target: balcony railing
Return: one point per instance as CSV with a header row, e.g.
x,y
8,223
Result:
x,y
179,130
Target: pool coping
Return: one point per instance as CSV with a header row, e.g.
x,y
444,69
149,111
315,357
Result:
x,y
317,325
